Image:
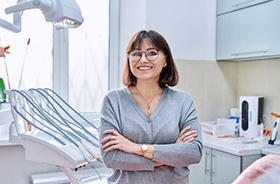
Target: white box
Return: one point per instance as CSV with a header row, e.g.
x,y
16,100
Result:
x,y
219,128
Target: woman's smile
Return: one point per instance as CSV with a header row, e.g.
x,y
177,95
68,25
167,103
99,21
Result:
x,y
144,68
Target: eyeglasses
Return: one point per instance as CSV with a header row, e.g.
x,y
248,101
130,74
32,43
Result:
x,y
151,55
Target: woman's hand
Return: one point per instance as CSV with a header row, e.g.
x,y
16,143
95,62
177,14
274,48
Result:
x,y
158,164
186,135
117,141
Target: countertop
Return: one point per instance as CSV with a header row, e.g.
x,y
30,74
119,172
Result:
x,y
271,150
240,146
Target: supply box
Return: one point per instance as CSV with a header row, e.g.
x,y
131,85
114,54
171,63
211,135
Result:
x,y
219,128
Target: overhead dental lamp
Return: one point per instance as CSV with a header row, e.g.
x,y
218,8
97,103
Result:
x,y
62,13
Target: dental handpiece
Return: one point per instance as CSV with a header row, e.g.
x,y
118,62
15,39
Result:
x,y
275,129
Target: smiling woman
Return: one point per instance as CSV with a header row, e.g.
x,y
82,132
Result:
x,y
149,132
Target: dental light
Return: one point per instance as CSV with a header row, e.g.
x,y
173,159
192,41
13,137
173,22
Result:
x,y
62,13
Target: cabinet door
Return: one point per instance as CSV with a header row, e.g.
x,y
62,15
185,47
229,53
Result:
x,y
200,173
249,33
225,167
233,5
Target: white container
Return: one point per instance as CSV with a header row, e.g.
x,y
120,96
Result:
x,y
251,116
219,128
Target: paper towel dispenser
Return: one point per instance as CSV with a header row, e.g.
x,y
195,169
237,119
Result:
x,y
251,115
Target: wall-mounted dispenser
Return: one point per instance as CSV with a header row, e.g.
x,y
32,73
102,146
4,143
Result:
x,y
251,116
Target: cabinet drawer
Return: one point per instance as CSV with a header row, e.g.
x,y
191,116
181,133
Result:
x,y
224,6
250,33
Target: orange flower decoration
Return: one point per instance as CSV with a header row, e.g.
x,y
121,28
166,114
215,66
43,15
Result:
x,y
4,50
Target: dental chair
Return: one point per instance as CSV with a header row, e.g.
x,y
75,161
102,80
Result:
x,y
50,134
265,170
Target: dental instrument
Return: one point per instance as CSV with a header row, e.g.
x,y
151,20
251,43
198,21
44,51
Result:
x,y
274,134
62,139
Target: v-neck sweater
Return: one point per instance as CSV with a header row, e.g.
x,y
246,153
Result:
x,y
174,111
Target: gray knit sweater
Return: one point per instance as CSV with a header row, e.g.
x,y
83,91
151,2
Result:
x,y
175,111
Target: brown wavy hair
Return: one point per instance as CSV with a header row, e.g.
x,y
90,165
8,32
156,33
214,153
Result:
x,y
169,74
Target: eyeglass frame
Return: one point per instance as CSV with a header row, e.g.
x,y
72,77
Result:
x,y
144,52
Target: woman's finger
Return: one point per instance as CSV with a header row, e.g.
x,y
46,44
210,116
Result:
x,y
108,138
110,148
189,133
189,137
113,132
109,144
184,130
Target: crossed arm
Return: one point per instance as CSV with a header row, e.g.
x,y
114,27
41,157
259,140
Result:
x,y
116,141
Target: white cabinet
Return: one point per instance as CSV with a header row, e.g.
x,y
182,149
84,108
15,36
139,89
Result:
x,y
218,167
233,5
248,29
188,26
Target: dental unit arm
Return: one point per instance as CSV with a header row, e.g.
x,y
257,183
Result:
x,y
43,125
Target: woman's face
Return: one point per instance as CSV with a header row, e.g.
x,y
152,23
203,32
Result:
x,y
146,62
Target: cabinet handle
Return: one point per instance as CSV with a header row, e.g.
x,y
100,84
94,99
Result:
x,y
206,162
213,168
252,52
212,158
